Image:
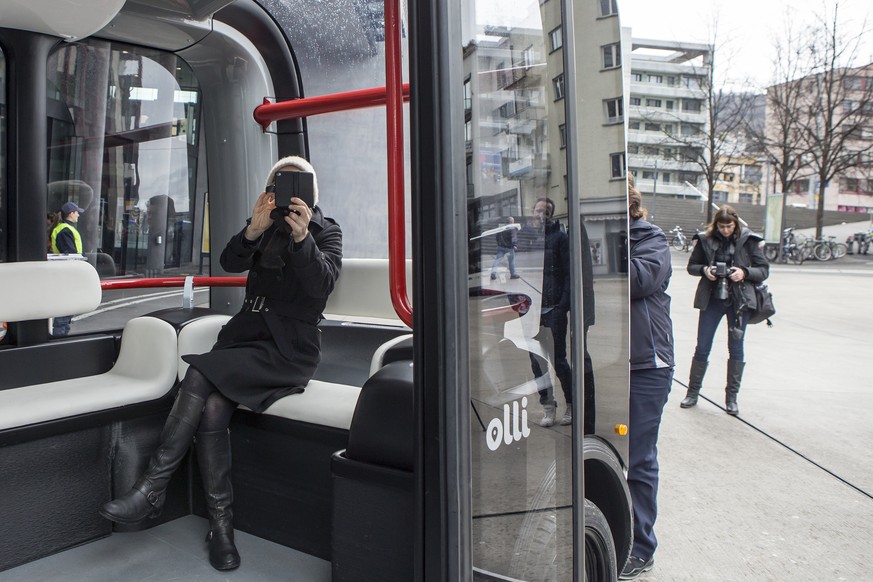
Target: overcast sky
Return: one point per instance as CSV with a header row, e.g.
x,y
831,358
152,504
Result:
x,y
746,27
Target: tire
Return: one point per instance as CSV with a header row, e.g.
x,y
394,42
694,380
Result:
x,y
600,561
797,256
677,243
840,250
771,252
822,252
807,252
535,555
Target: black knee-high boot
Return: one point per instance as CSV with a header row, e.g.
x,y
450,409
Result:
x,y
695,382
734,378
146,498
213,456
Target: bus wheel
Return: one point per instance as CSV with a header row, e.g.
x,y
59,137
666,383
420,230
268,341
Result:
x,y
600,558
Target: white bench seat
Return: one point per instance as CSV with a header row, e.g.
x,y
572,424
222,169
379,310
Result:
x,y
145,370
323,403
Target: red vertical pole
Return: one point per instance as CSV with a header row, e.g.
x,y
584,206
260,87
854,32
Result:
x,y
396,201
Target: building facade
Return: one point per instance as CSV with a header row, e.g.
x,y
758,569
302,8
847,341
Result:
x,y
516,131
667,115
851,188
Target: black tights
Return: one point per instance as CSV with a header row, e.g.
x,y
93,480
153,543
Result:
x,y
219,409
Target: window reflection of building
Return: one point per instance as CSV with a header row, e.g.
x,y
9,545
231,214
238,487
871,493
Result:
x,y
508,136
123,124
3,203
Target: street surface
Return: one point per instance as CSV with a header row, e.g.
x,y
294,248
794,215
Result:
x,y
784,492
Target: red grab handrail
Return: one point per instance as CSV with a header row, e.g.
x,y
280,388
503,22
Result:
x,y
396,202
268,112
148,283
392,95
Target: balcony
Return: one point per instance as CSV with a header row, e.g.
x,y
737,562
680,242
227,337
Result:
x,y
520,166
639,88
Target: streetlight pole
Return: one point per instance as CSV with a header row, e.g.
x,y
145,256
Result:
x,y
655,193
781,256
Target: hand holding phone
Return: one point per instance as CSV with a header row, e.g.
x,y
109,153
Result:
x,y
288,185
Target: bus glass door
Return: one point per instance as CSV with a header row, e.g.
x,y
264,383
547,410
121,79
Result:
x,y
520,289
546,201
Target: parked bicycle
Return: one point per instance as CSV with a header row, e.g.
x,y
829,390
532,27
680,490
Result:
x,y
795,247
825,250
679,240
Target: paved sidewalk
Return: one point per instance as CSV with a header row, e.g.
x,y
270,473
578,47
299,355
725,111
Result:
x,y
785,491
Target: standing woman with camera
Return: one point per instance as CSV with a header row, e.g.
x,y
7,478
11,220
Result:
x,y
726,256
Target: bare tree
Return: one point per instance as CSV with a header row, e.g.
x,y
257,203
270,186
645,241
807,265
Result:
x,y
779,139
837,105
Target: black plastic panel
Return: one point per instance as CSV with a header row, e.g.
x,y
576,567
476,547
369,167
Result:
x,y
56,360
373,521
347,350
179,317
50,490
383,429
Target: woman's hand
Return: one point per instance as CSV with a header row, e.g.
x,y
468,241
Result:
x,y
261,220
298,219
709,273
737,274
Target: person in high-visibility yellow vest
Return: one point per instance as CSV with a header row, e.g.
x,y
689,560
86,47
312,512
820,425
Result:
x,y
65,240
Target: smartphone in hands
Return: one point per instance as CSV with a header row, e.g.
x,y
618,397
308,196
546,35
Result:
x,y
288,185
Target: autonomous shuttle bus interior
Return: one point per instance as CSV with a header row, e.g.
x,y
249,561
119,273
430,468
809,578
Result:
x,y
422,448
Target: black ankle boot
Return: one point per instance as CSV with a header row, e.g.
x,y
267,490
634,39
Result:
x,y
734,378
213,457
146,498
695,381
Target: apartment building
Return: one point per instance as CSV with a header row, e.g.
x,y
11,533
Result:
x,y
741,180
851,189
516,128
667,119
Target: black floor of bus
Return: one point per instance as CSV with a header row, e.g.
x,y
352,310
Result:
x,y
172,551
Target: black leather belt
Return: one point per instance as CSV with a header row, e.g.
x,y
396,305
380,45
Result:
x,y
254,304
259,303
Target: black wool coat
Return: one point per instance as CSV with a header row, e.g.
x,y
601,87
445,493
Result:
x,y
747,256
263,355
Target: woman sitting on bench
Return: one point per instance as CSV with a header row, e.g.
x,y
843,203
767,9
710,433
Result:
x,y
268,350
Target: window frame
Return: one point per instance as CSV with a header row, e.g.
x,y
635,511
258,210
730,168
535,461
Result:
x,y
617,157
610,56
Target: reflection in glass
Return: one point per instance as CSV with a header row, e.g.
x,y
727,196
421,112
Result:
x,y
3,161
521,379
124,146
523,333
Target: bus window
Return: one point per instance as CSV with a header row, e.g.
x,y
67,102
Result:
x,y
3,202
546,215
124,145
348,148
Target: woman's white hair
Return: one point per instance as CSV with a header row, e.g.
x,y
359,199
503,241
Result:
x,y
300,164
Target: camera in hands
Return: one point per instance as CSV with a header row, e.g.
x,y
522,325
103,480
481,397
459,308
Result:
x,y
722,271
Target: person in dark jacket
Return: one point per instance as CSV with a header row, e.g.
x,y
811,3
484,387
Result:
x,y
729,261
65,239
268,350
554,308
651,373
507,244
